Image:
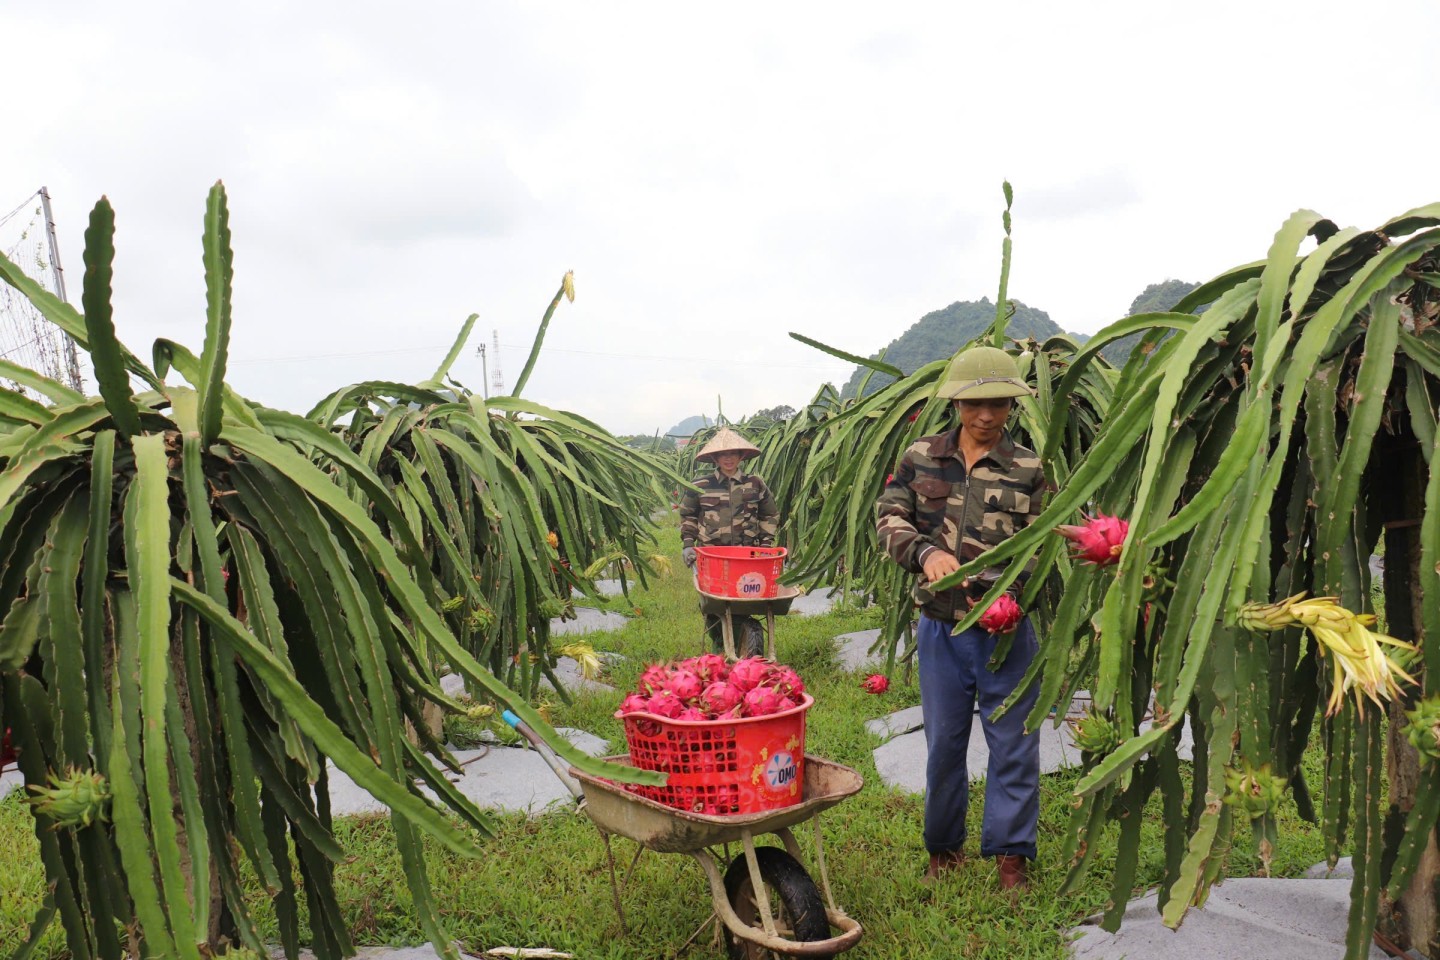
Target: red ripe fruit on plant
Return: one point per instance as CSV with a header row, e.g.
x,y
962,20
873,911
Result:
x,y
1003,616
875,683
1100,541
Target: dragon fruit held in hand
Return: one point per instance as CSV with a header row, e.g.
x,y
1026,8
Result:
x,y
1100,541
1003,616
707,688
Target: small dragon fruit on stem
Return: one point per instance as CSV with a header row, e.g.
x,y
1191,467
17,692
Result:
x,y
1003,616
876,683
1100,541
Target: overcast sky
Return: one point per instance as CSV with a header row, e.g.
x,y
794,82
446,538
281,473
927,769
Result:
x,y
715,175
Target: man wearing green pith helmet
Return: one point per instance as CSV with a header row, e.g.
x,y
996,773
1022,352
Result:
x,y
952,497
729,508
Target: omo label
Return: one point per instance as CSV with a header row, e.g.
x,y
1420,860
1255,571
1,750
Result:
x,y
781,772
750,585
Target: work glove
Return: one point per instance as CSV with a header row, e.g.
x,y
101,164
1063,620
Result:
x,y
688,554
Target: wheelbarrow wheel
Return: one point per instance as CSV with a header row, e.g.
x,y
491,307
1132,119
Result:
x,y
749,637
795,902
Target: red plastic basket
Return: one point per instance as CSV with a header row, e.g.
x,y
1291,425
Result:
x,y
744,573
722,767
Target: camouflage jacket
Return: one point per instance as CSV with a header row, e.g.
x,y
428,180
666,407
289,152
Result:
x,y
930,503
737,512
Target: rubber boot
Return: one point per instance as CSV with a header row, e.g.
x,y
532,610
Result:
x,y
940,863
1014,872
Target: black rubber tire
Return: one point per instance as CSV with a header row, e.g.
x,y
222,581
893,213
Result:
x,y
796,903
749,637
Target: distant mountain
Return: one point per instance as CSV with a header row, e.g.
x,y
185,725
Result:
x,y
688,426
942,332
1156,298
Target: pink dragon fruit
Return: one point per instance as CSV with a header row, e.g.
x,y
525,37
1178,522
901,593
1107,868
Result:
x,y
1100,541
691,715
1003,616
665,704
634,703
721,696
762,701
654,677
787,681
749,673
876,683
710,667
685,685
785,704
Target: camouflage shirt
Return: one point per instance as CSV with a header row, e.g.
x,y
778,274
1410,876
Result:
x,y
930,503
726,512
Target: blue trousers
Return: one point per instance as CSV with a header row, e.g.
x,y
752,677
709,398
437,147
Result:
x,y
953,678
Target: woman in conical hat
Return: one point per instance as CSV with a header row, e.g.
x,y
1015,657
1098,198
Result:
x,y
730,508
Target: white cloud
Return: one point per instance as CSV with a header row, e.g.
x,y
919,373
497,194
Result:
x,y
716,178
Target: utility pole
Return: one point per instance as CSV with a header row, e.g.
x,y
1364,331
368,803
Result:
x,y
497,379
72,358
484,377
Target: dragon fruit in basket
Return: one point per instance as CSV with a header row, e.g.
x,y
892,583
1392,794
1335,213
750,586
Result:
x,y
707,688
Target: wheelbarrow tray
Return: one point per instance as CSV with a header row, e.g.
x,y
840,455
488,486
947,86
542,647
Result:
x,y
667,830
713,604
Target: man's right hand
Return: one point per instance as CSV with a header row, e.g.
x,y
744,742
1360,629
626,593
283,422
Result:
x,y
688,555
939,564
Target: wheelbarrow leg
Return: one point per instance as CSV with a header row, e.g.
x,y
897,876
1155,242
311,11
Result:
x,y
757,884
770,631
729,634
614,883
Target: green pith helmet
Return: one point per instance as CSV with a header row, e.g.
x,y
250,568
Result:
x,y
982,373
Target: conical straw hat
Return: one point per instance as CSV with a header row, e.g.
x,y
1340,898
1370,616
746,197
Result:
x,y
726,440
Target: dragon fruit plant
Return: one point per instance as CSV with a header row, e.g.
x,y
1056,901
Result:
x,y
707,688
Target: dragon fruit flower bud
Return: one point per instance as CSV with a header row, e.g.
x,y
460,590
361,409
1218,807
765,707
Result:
x,y
1003,616
761,702
876,683
1100,540
720,697
749,673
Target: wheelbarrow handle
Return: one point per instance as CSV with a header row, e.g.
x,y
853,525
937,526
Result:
x,y
546,754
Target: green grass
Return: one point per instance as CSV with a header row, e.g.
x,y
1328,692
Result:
x,y
545,882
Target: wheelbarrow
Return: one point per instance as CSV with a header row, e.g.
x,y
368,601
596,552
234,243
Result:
x,y
765,899
728,608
